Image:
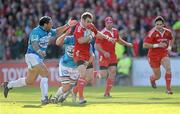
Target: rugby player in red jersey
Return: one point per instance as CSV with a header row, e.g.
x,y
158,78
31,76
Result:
x,y
159,41
107,56
84,32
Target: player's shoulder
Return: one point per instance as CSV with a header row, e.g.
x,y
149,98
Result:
x,y
167,29
36,30
104,30
114,29
78,27
151,32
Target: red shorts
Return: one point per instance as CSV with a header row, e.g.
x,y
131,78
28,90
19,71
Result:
x,y
155,61
106,62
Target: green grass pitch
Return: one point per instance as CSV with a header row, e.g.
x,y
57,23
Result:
x,y
125,100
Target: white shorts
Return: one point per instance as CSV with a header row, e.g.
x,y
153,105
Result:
x,y
32,60
67,74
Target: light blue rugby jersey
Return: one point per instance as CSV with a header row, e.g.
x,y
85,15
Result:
x,y
42,36
67,59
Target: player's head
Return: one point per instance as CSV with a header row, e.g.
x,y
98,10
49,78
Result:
x,y
46,22
86,18
108,22
159,22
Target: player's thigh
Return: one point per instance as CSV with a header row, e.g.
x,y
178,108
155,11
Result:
x,y
103,71
81,68
89,74
157,72
155,62
31,76
65,82
42,70
35,63
165,62
66,86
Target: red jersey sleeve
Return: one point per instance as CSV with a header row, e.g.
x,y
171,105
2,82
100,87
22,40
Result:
x,y
149,38
170,36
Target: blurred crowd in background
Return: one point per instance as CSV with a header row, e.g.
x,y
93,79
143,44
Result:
x,y
133,18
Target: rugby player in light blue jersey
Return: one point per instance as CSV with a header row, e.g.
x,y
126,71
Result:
x,y
68,73
37,45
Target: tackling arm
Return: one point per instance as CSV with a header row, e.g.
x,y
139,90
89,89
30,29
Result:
x,y
60,39
69,24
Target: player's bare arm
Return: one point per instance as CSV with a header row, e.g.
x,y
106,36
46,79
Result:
x,y
158,45
98,34
171,42
99,48
123,42
60,39
83,40
62,29
35,45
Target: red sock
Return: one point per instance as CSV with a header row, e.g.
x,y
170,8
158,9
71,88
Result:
x,y
109,84
168,81
81,84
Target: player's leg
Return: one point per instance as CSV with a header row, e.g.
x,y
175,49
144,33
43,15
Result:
x,y
62,92
73,80
166,64
44,73
20,82
32,63
156,75
88,78
155,65
110,79
82,82
68,77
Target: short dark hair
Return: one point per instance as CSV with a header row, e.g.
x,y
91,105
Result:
x,y
44,20
159,18
86,15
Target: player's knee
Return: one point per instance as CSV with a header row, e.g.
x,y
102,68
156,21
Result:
x,y
168,70
29,82
67,87
103,73
157,75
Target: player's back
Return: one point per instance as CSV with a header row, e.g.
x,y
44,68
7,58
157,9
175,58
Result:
x,y
67,59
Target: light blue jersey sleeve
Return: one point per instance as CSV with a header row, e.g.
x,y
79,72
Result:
x,y
34,36
53,32
69,40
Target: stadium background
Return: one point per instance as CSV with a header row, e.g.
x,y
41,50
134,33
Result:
x,y
133,18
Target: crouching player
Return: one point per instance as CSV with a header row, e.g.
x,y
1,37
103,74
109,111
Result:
x,y
68,73
159,41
